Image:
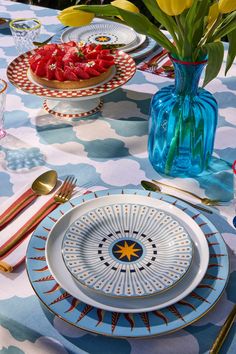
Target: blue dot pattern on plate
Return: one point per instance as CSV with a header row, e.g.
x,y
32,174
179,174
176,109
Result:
x,y
23,158
127,250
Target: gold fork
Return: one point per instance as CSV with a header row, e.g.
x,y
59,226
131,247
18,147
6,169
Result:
x,y
63,195
206,201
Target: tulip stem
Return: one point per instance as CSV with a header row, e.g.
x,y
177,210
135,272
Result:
x,y
181,32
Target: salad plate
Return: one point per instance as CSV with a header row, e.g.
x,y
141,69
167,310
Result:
x,y
133,305
105,32
126,247
117,324
143,49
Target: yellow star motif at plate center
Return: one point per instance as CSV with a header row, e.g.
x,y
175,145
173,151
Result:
x,y
102,39
128,250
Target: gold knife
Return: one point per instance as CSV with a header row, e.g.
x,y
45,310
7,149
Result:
x,y
223,332
150,186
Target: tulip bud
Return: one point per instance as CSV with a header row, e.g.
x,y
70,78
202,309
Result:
x,y
174,7
125,5
75,18
226,6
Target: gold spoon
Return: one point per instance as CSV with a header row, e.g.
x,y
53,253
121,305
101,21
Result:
x,y
43,185
150,186
206,201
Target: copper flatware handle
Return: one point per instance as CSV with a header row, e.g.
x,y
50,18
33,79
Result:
x,y
28,227
223,332
16,207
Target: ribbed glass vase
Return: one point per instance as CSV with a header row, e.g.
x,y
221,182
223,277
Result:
x,y
182,124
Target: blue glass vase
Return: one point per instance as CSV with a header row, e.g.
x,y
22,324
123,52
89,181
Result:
x,y
182,124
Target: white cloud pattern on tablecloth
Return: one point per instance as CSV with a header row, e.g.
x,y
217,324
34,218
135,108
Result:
x,y
225,138
120,172
43,345
122,110
101,129
13,286
179,342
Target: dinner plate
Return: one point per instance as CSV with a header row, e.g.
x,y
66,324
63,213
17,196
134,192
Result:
x,y
148,46
143,49
122,246
183,288
147,324
105,33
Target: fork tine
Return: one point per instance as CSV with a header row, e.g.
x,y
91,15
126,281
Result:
x,y
69,187
65,184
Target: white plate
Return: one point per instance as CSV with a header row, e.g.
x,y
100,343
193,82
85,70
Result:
x,y
151,303
127,249
144,47
115,33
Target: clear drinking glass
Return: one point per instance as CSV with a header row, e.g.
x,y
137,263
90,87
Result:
x,y
24,32
3,88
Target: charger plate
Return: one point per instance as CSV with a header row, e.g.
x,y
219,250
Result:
x,y
166,320
125,246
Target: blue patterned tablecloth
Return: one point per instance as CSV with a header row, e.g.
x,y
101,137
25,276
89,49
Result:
x,y
105,151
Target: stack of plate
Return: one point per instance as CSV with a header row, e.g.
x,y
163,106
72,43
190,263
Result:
x,y
127,263
107,32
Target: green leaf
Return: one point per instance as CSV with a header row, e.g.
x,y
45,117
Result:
x,y
194,24
227,26
198,31
105,10
215,53
189,21
141,24
166,21
137,21
232,50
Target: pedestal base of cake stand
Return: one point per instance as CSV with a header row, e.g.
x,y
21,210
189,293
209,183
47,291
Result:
x,y
73,109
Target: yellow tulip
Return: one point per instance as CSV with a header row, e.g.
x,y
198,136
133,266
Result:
x,y
125,5
68,9
188,3
174,7
213,14
226,6
75,18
